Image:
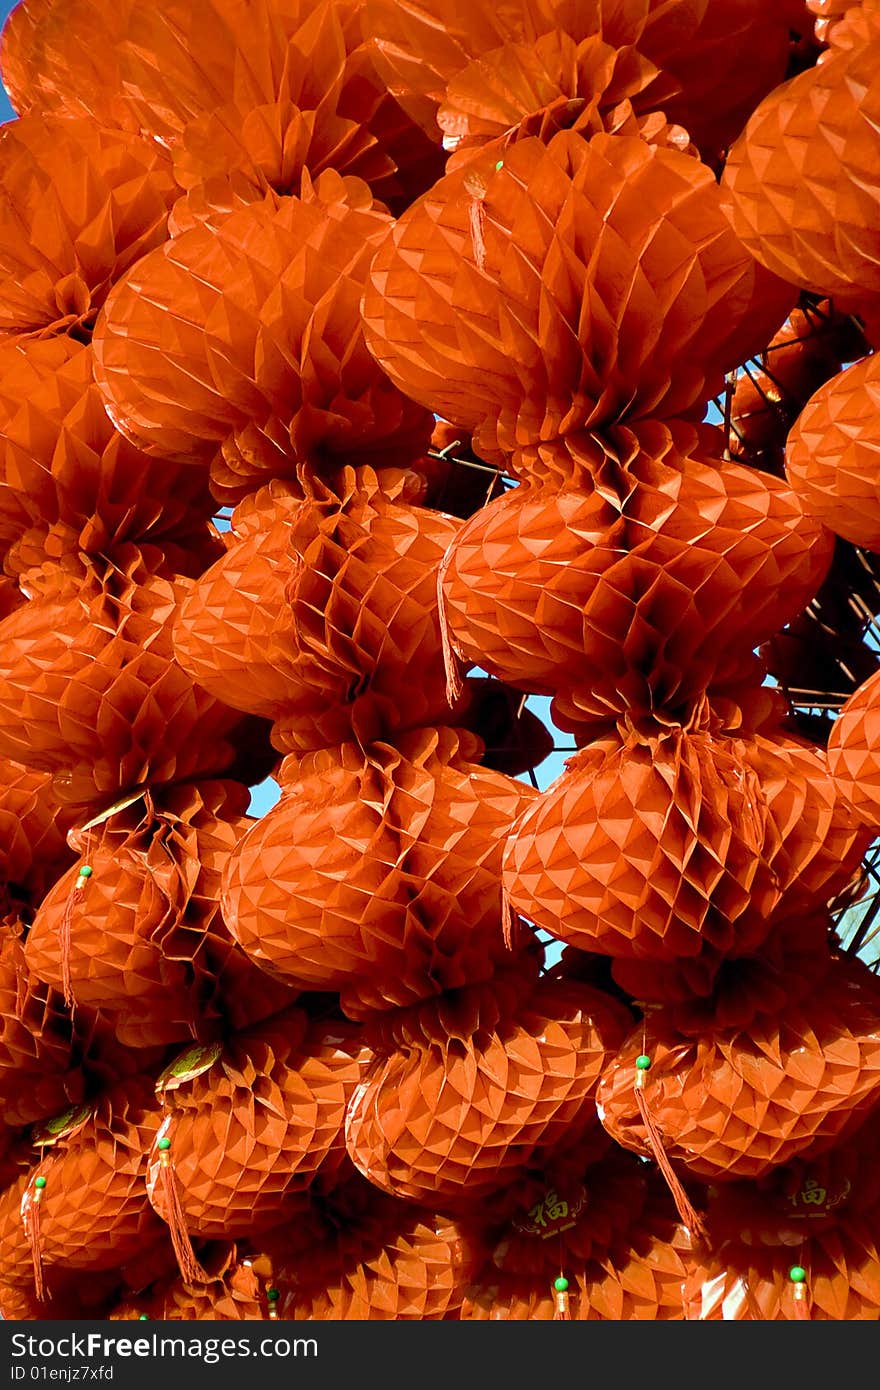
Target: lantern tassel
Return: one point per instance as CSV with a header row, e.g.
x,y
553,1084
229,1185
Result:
x,y
454,683
801,1307
190,1270
507,922
689,1215
32,1228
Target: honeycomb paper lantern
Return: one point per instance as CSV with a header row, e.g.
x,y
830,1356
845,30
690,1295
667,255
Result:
x,y
853,749
831,459
79,204
40,1070
282,1088
456,1121
260,368
336,598
68,479
656,847
94,1212
803,175
392,1261
145,942
422,51
638,591
522,303
90,691
378,871
734,1103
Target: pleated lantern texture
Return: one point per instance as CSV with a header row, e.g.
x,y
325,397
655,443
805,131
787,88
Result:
x,y
243,99
378,873
431,55
40,1071
69,482
388,1261
261,1124
90,691
656,847
94,1212
803,175
638,588
79,204
335,600
140,936
613,1234
854,751
262,364
538,300
735,1102
832,457
456,1111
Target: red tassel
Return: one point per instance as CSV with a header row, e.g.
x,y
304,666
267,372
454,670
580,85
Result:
x,y
190,1270
507,919
64,931
454,683
690,1217
31,1213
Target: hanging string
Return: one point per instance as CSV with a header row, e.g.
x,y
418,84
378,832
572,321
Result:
x,y
689,1215
190,1269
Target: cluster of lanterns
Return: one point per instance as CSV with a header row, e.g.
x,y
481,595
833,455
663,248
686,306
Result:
x,y
432,300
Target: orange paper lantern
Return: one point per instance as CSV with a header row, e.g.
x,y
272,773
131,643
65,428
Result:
x,y
378,872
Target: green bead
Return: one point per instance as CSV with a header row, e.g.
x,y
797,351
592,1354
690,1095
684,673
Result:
x,y
164,1144
560,1284
143,1317
797,1274
39,1183
85,871
500,164
643,1062
273,1295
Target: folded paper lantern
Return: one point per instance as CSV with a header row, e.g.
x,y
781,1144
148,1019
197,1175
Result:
x,y
79,204
655,848
135,929
788,1206
262,363
735,1102
70,482
90,691
854,751
257,1120
637,591
73,1299
40,1071
424,53
832,459
590,1272
536,300
390,1261
830,1276
803,175
334,602
33,846
378,872
453,1121
92,1211
712,990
